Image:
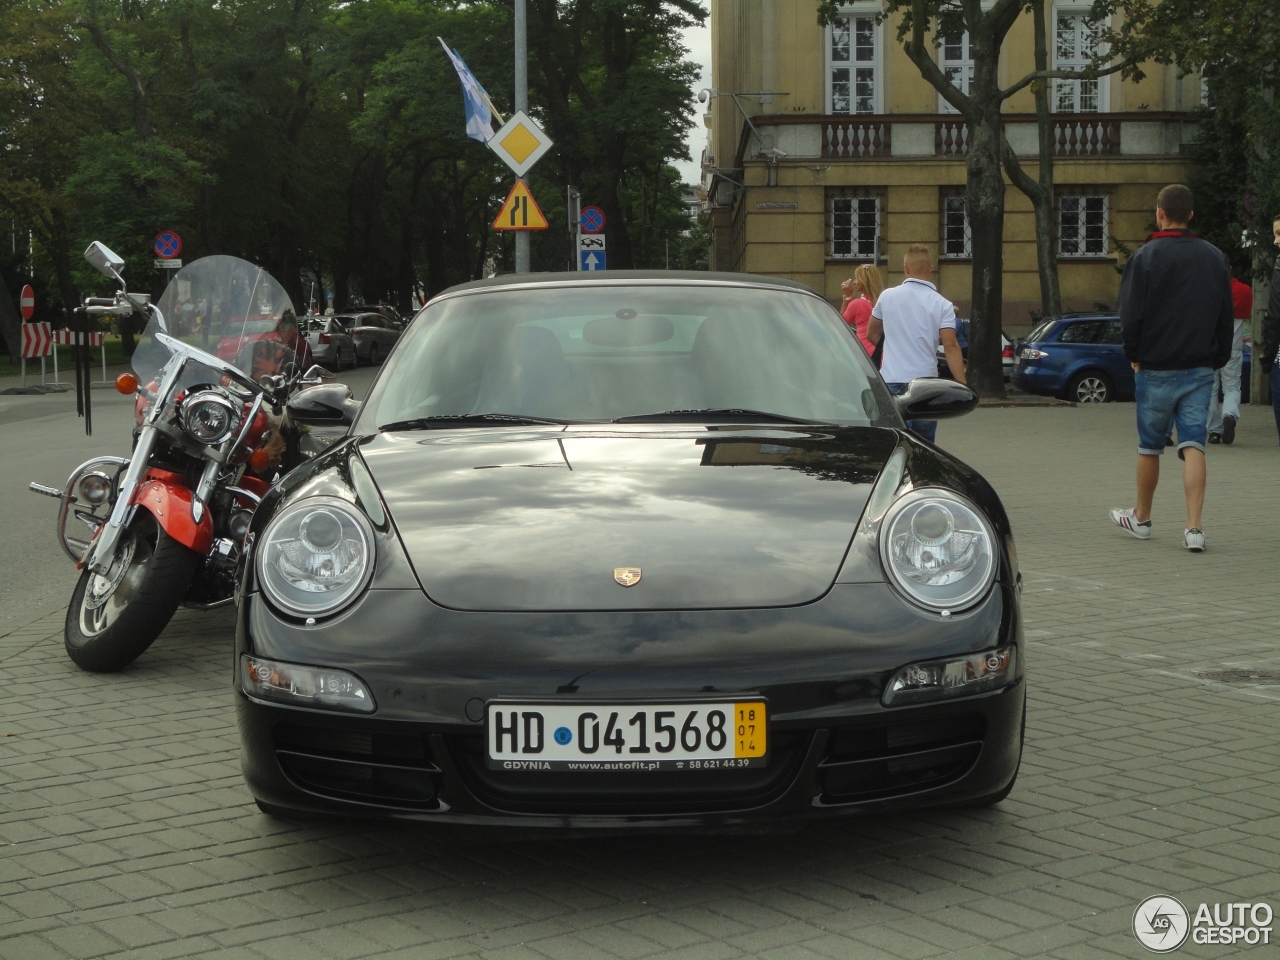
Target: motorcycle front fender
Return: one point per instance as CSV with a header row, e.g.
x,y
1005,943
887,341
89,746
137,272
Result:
x,y
167,496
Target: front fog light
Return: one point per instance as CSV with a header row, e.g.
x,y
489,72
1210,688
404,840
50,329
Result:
x,y
961,677
95,488
303,686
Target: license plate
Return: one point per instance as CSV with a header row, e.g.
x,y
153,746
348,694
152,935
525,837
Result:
x,y
618,736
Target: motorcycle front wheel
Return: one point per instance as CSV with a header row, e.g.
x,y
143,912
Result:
x,y
114,617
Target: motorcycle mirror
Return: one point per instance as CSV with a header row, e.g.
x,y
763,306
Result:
x,y
316,374
104,260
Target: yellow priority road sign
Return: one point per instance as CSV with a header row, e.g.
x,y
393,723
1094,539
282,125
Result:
x,y
520,212
520,143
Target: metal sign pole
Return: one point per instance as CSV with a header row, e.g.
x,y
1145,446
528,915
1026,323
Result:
x,y
522,104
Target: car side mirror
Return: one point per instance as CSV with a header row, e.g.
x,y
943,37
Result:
x,y
324,405
931,398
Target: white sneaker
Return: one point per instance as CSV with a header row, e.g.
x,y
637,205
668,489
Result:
x,y
1193,540
1125,520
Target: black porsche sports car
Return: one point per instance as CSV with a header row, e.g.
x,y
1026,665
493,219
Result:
x,y
629,549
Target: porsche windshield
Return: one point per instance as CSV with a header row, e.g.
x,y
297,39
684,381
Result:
x,y
607,352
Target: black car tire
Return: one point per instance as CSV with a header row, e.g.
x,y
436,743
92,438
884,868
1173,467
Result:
x,y
159,574
1091,386
373,355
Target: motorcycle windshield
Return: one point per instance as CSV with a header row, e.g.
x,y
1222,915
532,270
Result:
x,y
227,307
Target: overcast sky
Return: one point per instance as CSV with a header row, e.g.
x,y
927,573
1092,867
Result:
x,y
698,40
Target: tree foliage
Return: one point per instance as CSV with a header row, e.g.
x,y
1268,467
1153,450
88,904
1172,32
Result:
x,y
324,139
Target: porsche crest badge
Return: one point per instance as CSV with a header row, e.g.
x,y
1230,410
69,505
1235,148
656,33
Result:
x,y
627,576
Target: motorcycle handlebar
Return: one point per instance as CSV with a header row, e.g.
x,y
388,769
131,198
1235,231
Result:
x,y
122,310
99,302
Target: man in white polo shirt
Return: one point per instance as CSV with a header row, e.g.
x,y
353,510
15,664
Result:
x,y
911,318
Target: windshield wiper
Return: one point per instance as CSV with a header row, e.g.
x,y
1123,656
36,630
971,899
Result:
x,y
466,419
710,413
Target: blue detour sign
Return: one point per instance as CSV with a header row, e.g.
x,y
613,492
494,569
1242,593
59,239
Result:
x,y
591,259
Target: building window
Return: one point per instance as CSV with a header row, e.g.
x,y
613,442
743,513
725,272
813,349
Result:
x,y
956,60
1075,43
957,237
855,228
1082,226
853,57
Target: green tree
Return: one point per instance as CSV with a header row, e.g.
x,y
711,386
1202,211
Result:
x,y
44,114
613,87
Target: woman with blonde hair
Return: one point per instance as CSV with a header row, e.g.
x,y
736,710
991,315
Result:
x,y
857,310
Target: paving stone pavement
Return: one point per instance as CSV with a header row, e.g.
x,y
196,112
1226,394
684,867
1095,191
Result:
x,y
126,831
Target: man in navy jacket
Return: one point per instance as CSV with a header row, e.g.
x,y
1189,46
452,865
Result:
x,y
1176,318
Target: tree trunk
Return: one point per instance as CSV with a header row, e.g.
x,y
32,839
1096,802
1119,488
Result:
x,y
1040,192
984,200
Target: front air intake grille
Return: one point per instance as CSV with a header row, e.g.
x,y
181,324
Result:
x,y
889,760
631,793
374,766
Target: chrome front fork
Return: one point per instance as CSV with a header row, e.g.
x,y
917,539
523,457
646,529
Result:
x,y
103,551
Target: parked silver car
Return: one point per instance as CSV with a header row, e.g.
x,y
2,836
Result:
x,y
373,335
331,344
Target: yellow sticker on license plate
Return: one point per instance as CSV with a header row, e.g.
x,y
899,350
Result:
x,y
749,735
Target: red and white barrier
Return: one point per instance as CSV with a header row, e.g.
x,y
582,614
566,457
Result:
x,y
36,340
70,336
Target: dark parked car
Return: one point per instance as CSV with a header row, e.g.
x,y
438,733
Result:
x,y
1080,356
962,337
373,335
629,550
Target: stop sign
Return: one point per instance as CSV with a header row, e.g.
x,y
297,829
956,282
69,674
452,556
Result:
x,y
27,302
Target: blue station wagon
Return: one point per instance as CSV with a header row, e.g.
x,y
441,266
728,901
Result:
x,y
1080,357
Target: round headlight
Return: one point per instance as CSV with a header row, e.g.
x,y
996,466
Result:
x,y
95,488
315,556
937,549
208,417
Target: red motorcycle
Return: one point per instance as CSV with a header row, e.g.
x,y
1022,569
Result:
x,y
166,527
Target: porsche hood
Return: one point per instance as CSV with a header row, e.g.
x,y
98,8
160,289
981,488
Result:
x,y
571,519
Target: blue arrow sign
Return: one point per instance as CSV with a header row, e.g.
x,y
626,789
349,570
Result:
x,y
591,259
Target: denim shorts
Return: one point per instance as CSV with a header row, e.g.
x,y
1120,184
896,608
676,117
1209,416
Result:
x,y
1168,397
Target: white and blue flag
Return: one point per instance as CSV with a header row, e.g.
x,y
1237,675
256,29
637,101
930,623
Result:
x,y
480,109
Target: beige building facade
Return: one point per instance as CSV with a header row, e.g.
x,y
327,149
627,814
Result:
x,y
827,148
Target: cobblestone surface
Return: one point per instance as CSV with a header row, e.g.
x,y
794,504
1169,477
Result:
x,y
126,831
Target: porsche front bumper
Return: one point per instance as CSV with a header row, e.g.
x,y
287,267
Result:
x,y
834,749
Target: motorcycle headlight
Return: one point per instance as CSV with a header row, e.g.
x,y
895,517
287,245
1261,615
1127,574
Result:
x,y
208,417
938,550
95,488
315,556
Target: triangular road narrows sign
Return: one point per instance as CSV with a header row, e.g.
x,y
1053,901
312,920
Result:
x,y
520,212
